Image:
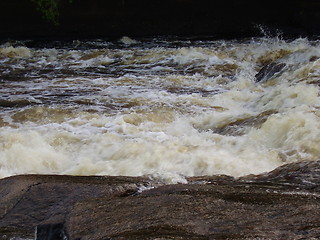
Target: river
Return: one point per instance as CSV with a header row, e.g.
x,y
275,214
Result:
x,y
166,108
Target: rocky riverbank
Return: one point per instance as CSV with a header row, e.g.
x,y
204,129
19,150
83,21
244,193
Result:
x,y
282,204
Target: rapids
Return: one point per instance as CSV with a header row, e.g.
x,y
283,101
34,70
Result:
x,y
167,109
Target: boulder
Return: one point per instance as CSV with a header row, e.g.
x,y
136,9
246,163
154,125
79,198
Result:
x,y
28,201
269,71
282,204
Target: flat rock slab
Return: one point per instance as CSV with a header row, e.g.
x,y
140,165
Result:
x,y
282,204
28,201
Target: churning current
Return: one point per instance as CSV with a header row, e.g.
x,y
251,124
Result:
x,y
167,109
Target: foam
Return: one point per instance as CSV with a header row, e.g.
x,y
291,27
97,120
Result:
x,y
15,52
165,125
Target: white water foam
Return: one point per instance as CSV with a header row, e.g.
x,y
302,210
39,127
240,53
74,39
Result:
x,y
174,124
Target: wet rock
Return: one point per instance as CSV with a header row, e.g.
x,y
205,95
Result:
x,y
240,126
282,204
50,232
14,103
205,211
302,175
28,201
269,71
202,92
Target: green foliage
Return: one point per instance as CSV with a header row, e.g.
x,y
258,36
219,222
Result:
x,y
49,9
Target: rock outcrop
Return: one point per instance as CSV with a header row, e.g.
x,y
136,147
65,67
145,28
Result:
x,y
39,200
282,204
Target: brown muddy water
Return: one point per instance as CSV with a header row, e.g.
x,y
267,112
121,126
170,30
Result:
x,y
167,109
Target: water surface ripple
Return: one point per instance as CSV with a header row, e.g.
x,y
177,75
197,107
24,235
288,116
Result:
x,y
167,109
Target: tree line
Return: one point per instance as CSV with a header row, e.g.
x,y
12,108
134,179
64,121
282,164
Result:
x,y
49,9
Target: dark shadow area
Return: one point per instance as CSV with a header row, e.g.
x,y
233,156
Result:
x,y
140,18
